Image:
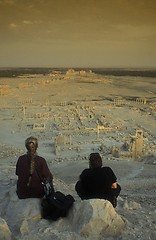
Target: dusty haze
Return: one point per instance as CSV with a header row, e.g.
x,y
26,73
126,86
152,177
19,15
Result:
x,y
90,33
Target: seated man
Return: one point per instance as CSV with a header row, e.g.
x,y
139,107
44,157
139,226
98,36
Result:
x,y
32,170
98,182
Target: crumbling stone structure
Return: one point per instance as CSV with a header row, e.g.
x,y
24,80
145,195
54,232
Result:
x,y
141,100
23,85
118,101
39,126
137,144
4,89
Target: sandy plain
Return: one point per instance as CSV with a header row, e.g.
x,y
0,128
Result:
x,y
64,110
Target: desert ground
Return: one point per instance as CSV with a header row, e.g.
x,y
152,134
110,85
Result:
x,y
73,114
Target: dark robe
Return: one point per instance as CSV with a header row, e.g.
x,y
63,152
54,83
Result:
x,y
41,172
96,183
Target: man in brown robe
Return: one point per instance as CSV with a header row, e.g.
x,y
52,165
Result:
x,y
31,170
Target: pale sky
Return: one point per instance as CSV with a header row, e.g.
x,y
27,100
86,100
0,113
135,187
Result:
x,y
77,33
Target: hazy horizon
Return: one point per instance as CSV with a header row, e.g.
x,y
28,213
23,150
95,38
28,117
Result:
x,y
82,34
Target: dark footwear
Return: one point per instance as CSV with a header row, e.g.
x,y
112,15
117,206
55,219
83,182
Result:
x,y
114,202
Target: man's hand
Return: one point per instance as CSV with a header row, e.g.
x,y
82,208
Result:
x,y
114,185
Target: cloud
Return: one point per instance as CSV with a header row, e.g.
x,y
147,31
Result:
x,y
27,22
140,32
13,25
10,2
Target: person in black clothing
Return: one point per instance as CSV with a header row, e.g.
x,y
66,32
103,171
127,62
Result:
x,y
98,182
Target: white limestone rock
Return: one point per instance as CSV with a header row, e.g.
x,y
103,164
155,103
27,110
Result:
x,y
5,233
96,217
93,219
22,214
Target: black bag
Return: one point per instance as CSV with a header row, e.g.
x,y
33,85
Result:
x,y
56,205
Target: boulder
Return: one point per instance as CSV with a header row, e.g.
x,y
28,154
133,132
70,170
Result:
x,y
5,233
95,217
22,214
